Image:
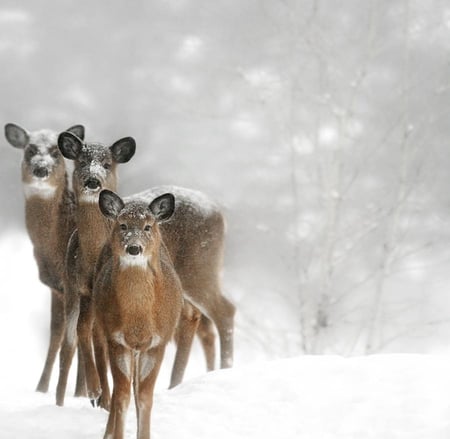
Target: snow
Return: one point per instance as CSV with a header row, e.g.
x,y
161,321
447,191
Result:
x,y
197,200
386,396
44,138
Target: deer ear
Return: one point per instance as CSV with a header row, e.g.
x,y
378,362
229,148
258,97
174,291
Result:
x,y
69,145
78,130
123,149
110,204
16,136
163,207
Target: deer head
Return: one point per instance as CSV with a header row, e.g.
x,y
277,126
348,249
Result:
x,y
42,165
95,164
135,234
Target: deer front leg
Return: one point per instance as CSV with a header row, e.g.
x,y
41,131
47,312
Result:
x,y
146,371
101,361
187,326
56,334
122,364
80,384
72,311
84,329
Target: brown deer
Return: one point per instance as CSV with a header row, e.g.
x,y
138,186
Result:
x,y
49,222
94,168
194,238
138,300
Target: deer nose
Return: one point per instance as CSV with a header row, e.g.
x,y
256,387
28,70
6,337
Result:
x,y
92,183
40,172
134,250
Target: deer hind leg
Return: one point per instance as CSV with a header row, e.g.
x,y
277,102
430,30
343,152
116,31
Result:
x,y
122,365
71,311
222,313
84,329
207,337
56,335
101,361
187,326
146,371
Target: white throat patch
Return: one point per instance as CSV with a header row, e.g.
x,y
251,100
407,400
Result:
x,y
89,197
41,189
140,261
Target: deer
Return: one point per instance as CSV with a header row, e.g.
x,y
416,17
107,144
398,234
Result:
x,y
49,223
194,237
94,165
138,300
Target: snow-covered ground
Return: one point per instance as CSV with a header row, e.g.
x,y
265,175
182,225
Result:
x,y
382,397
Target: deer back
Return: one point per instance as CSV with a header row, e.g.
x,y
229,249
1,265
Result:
x,y
194,236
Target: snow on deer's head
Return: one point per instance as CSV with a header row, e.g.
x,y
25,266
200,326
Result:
x,y
94,164
136,235
43,165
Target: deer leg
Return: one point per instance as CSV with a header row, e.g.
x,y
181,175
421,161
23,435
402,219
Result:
x,y
121,362
80,385
101,361
146,370
187,326
56,334
72,311
207,337
84,329
222,314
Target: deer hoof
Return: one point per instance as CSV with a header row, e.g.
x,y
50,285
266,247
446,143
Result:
x,y
95,402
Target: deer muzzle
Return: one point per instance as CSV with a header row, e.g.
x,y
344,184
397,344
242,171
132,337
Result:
x,y
92,184
134,250
40,172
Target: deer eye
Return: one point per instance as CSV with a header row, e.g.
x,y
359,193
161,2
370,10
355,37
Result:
x,y
123,227
107,166
148,227
31,151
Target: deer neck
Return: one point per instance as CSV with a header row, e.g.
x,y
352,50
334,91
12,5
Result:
x,y
135,290
93,232
47,213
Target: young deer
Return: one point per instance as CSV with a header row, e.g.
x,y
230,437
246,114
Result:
x,y
94,168
49,222
138,300
194,238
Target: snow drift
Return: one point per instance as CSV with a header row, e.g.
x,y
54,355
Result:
x,y
317,397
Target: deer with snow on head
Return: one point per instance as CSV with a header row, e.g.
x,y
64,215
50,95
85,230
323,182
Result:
x,y
49,221
94,168
138,301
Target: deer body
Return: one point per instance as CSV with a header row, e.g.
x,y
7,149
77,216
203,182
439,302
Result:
x,y
49,209
138,300
194,238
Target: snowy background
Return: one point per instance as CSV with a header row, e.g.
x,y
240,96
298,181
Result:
x,y
322,128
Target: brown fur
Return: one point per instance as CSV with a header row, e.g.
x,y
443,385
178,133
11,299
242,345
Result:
x,y
49,222
82,254
137,309
194,238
